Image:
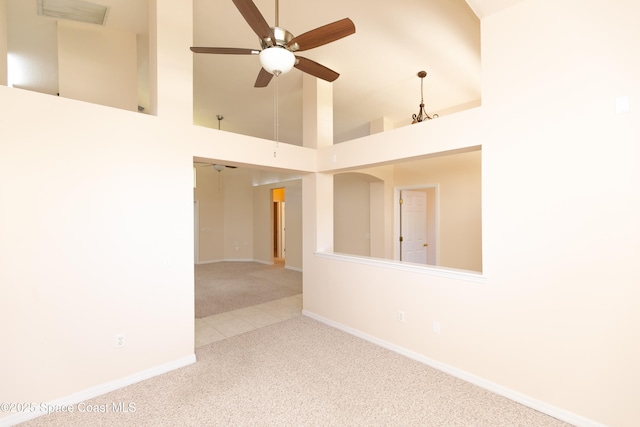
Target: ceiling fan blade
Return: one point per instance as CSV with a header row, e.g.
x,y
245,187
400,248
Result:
x,y
254,18
315,69
225,50
264,77
214,165
323,35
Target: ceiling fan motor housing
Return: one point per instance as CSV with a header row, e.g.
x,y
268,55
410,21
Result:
x,y
282,38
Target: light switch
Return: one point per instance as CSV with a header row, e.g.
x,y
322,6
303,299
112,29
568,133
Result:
x,y
622,104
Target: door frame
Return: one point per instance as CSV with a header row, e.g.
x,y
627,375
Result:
x,y
196,231
278,224
433,222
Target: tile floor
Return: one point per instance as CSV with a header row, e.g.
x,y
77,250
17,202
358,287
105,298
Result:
x,y
220,326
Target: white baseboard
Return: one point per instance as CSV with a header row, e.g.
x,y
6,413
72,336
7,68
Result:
x,y
259,261
286,266
211,261
99,390
523,399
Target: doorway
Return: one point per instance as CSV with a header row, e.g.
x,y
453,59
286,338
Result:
x,y
417,228
279,228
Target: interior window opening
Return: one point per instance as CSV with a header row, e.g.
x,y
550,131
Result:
x,y
420,212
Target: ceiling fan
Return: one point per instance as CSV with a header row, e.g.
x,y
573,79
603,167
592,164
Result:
x,y
278,45
216,166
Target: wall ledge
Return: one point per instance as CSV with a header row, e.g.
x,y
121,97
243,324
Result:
x,y
450,273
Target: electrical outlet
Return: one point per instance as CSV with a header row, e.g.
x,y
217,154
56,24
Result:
x,y
119,340
400,316
436,327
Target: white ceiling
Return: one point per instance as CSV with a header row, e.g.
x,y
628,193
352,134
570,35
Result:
x,y
378,64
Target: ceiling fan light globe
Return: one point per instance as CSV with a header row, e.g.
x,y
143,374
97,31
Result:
x,y
277,60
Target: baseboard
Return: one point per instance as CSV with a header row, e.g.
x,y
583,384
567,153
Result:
x,y
523,399
99,390
211,261
259,261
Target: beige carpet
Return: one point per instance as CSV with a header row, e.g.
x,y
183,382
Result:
x,y
225,286
303,373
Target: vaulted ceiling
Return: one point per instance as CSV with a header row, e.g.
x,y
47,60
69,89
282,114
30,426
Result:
x,y
378,65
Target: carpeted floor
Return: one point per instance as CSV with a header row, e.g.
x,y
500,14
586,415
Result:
x,y
225,286
303,373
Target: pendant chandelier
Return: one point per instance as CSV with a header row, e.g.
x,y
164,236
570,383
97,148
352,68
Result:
x,y
422,115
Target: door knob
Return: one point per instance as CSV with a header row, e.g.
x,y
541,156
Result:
x,y
425,244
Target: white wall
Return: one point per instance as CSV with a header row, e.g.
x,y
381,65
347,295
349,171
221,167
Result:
x,y
97,238
555,322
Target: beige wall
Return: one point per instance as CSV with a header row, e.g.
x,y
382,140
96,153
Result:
x,y
554,323
3,42
458,178
97,237
238,214
459,203
210,195
351,218
263,220
235,218
94,248
98,65
37,72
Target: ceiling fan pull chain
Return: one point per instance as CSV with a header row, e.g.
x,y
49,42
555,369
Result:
x,y
276,123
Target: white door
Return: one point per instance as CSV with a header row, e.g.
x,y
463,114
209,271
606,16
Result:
x,y
413,226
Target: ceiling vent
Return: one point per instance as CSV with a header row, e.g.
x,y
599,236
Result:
x,y
75,10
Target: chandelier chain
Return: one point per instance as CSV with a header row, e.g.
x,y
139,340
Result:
x,y
422,114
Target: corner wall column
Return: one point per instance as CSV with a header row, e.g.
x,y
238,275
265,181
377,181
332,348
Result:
x,y
317,188
170,60
4,35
